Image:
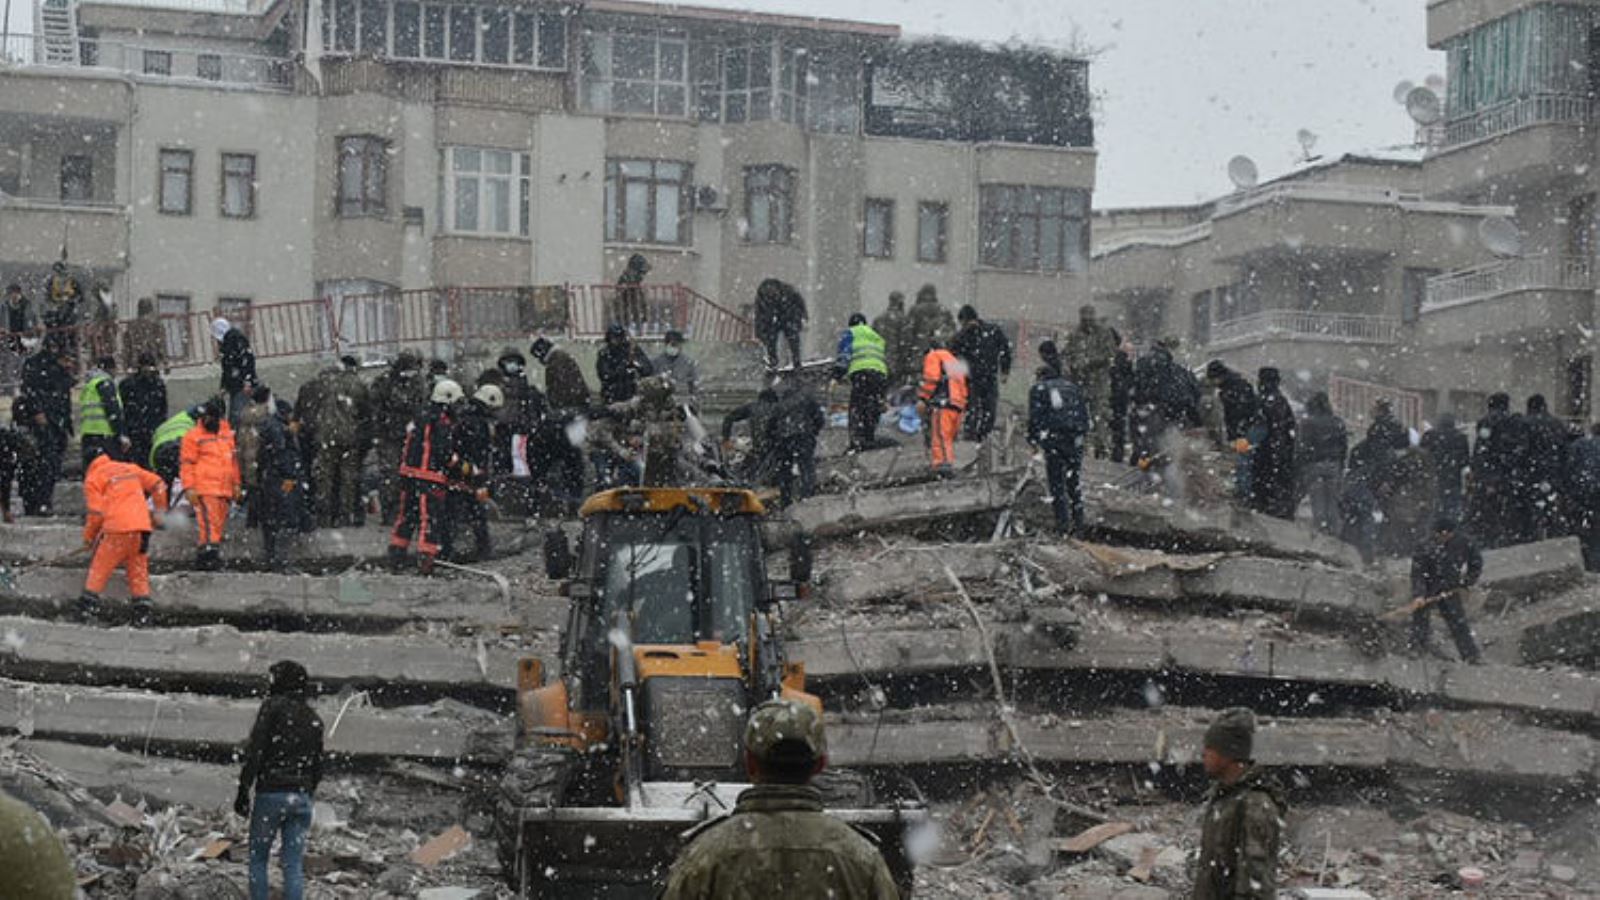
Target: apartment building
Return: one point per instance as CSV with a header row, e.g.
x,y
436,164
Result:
x,y
218,155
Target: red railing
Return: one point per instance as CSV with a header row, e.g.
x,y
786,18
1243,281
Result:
x,y
435,321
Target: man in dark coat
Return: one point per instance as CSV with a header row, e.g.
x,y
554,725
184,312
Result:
x,y
44,409
469,491
555,454
1451,454
1440,572
564,385
1058,419
1165,396
238,365
280,500
760,462
1497,454
1272,462
16,457
1121,396
1371,460
1241,411
780,312
894,327
283,765
396,395
1386,428
619,366
1583,478
144,407
1541,480
1321,447
987,353
792,433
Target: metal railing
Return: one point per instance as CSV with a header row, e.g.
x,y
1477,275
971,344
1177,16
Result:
x,y
1323,191
1538,109
1526,273
1353,401
181,64
1293,324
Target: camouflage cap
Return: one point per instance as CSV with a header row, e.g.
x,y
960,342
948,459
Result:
x,y
782,728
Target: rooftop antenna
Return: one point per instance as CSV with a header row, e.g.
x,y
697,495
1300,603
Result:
x,y
1423,106
1500,236
1403,90
1308,140
1243,173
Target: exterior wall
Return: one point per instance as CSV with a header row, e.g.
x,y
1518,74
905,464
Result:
x,y
1448,18
370,247
568,167
910,172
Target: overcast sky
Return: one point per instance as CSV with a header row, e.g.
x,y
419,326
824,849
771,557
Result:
x,y
1184,85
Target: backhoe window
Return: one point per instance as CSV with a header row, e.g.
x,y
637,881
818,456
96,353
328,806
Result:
x,y
653,568
658,580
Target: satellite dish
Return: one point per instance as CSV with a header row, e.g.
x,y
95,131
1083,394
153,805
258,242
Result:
x,y
1422,105
1500,236
1307,139
1402,91
1243,173
1435,83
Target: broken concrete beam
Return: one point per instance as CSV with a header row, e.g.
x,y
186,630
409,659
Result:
x,y
839,514
212,726
1535,568
1152,521
1482,744
1563,628
58,542
220,655
901,464
355,600
110,773
912,573
1288,585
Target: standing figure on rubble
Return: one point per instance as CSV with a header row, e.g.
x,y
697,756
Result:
x,y
144,407
238,365
280,495
987,352
1272,487
1497,455
469,490
63,311
1321,448
1166,396
943,397
1091,351
1542,483
633,311
340,420
209,470
760,462
555,449
100,410
792,432
900,354
1441,571
1121,397
1241,411
16,456
679,369
427,460
283,766
44,409
1451,454
862,358
116,528
619,366
1058,419
1243,817
780,312
397,395
927,321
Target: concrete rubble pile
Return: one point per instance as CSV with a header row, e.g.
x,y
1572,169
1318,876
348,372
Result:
x,y
1046,696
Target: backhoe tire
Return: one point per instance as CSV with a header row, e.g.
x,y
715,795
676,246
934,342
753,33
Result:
x,y
845,789
534,777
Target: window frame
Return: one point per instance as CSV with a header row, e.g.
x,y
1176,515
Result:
x,y
348,30
203,61
597,90
162,60
373,156
883,206
250,186
783,208
1023,217
616,199
518,191
163,170
71,159
942,239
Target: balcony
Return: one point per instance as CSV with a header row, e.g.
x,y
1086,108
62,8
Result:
x,y
33,230
1513,115
180,65
1523,299
1529,273
1514,148
1303,325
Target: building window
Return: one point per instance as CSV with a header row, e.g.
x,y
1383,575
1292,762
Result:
x,y
642,74
1414,293
1035,229
458,32
238,185
77,178
208,66
769,204
237,311
173,309
157,62
363,176
486,191
877,229
177,182
933,232
647,201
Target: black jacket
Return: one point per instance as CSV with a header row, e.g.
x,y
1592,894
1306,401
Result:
x,y
797,421
779,307
620,366
564,383
47,388
144,403
1498,452
987,352
1450,451
1583,468
1240,406
474,435
1387,429
1160,382
1437,568
285,748
429,450
1546,449
238,361
278,458
1058,414
1322,439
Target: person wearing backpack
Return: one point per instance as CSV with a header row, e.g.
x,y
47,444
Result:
x,y
1058,419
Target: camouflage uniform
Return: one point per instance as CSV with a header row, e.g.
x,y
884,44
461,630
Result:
x,y
1239,840
397,395
340,421
899,349
663,431
1090,352
928,319
778,844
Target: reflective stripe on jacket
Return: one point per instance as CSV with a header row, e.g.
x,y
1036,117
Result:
x,y
171,430
114,494
868,352
944,381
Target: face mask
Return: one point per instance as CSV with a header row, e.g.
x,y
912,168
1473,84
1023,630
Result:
x,y
672,351
511,368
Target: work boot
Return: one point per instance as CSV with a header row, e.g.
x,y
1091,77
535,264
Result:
x,y
88,610
425,564
397,558
143,612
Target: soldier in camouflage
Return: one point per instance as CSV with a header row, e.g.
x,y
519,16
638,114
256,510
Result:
x,y
1090,353
1243,816
778,844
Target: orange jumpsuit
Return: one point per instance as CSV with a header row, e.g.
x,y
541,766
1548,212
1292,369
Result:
x,y
944,390
118,523
210,476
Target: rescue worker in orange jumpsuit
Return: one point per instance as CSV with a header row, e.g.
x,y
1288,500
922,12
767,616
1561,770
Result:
x,y
210,475
118,527
943,398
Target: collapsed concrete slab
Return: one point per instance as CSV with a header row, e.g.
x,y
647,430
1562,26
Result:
x,y
1562,629
215,727
354,600
840,514
221,656
1152,521
1483,744
901,464
109,774
60,543
1536,568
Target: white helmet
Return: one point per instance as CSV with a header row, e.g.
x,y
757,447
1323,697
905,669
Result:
x,y
447,392
490,396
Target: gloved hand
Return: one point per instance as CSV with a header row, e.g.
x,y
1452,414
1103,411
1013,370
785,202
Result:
x,y
482,494
289,484
241,803
1242,445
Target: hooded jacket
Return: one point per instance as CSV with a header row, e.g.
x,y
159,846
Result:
x,y
284,752
207,464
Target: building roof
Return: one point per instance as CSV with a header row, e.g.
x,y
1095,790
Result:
x,y
742,17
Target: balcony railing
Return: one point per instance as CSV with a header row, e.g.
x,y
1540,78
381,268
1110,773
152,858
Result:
x,y
192,65
1528,273
1302,325
1502,118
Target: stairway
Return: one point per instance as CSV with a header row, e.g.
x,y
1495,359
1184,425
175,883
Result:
x,y
56,24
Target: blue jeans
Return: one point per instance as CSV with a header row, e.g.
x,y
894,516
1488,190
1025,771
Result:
x,y
290,812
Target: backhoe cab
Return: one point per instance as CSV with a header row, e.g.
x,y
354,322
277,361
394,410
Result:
x,y
670,641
